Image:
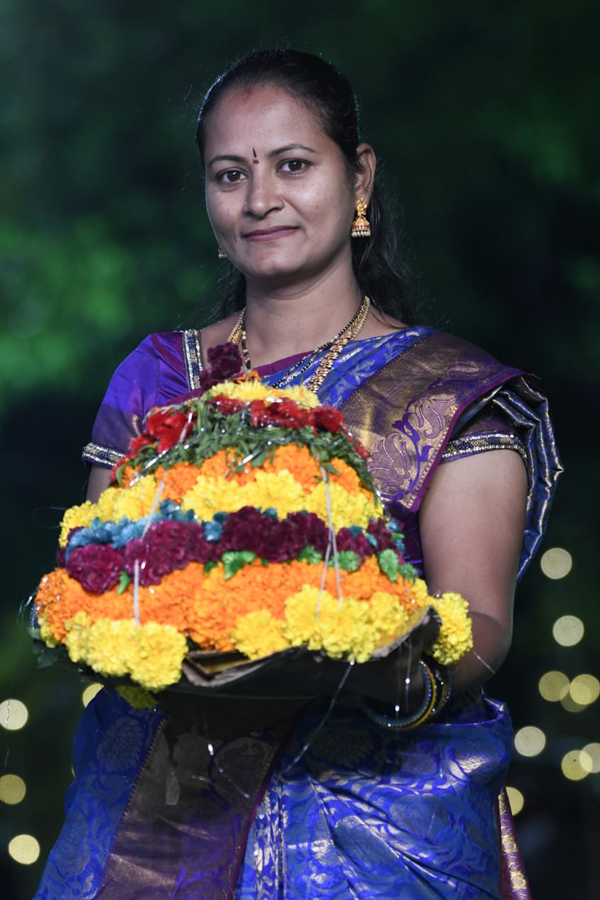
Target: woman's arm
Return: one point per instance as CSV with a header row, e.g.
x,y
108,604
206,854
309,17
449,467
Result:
x,y
471,523
99,480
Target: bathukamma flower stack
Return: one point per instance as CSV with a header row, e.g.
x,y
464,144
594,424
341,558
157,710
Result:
x,y
243,519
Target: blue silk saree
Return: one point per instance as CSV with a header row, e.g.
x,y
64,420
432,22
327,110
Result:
x,y
272,800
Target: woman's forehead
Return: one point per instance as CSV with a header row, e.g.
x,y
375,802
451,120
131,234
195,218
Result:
x,y
257,116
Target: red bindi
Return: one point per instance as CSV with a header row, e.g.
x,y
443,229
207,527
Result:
x,y
255,160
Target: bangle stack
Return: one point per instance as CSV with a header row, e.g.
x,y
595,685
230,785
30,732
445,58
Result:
x,y
437,693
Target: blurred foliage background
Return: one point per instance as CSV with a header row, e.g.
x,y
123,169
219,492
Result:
x,y
484,116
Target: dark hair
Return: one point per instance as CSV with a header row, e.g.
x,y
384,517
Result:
x,y
330,96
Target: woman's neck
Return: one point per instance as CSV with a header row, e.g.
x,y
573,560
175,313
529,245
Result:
x,y
283,323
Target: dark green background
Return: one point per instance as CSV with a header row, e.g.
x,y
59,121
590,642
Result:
x,y
485,119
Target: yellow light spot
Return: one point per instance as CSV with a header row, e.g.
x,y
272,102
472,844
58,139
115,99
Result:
x,y
12,789
590,758
515,799
24,849
553,686
556,563
568,631
13,714
585,689
571,766
571,705
530,741
90,692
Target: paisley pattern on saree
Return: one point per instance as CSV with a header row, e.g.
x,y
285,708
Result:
x,y
366,813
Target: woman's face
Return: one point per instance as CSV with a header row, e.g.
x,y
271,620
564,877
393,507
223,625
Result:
x,y
278,191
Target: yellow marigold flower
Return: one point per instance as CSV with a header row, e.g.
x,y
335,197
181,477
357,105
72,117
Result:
x,y
455,637
137,696
346,509
344,629
387,616
259,634
109,646
46,633
134,502
258,390
212,495
420,592
300,615
76,517
157,656
78,629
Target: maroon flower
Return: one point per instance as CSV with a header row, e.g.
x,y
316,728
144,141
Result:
x,y
358,543
385,538
165,547
224,361
97,567
311,528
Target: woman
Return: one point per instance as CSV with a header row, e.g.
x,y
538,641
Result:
x,y
272,801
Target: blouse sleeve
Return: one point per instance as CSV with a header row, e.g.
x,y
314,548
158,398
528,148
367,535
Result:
x,y
487,430
131,393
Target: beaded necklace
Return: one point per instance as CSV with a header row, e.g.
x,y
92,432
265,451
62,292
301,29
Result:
x,y
335,345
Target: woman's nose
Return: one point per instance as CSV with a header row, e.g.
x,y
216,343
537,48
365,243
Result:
x,y
262,193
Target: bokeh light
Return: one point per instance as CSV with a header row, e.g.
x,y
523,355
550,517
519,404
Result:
x,y
12,789
13,714
553,686
515,799
585,689
90,692
590,758
568,631
556,563
24,849
530,740
572,767
571,705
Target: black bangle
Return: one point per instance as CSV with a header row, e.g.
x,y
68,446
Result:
x,y
397,722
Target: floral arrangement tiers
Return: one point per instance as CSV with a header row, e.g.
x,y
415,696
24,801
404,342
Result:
x,y
242,523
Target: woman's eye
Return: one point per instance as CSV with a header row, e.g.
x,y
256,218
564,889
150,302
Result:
x,y
294,166
231,176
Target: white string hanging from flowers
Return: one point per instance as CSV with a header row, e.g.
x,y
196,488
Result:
x,y
332,540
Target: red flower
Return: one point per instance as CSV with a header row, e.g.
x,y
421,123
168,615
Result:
x,y
228,405
258,412
327,418
169,427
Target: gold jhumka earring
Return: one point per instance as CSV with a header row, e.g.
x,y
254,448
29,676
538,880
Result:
x,y
221,254
361,227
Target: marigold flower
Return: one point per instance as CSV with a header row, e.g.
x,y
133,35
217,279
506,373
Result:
x,y
259,634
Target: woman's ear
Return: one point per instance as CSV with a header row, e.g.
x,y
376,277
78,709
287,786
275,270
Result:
x,y
365,174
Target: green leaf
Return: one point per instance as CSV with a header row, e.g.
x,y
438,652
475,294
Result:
x,y
389,564
209,566
124,582
310,555
348,560
234,560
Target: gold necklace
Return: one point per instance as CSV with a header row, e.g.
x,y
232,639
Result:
x,y
336,345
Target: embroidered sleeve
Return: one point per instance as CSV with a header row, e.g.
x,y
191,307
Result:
x,y
487,431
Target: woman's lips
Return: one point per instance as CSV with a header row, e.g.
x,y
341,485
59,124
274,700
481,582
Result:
x,y
269,234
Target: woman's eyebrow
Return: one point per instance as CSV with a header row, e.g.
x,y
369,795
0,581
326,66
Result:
x,y
232,157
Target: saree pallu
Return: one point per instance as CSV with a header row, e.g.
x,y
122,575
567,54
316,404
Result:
x,y
249,800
